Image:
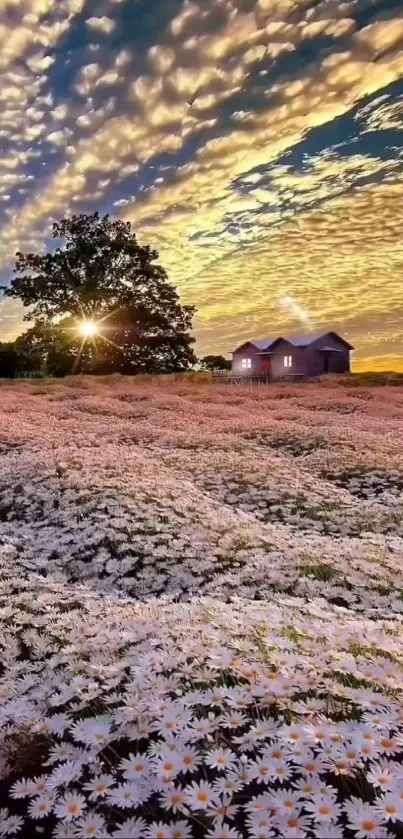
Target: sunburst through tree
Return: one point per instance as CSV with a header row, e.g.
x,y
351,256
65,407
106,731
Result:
x,y
106,293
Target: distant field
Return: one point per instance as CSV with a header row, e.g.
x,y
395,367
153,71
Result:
x,y
201,605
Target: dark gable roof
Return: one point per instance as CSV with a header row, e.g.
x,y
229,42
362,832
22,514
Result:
x,y
294,340
303,340
262,344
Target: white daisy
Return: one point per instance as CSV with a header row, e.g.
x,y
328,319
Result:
x,y
294,826
189,759
158,830
286,802
70,807
220,759
131,829
224,831
200,796
381,776
92,825
390,807
135,766
363,818
260,826
11,825
323,808
64,774
41,807
173,799
21,789
99,786
181,829
124,796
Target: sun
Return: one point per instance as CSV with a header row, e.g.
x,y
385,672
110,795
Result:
x,y
88,328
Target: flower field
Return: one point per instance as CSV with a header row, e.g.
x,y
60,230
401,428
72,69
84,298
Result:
x,y
201,610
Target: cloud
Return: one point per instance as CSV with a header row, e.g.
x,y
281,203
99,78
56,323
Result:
x,y
39,63
384,114
101,24
298,313
59,138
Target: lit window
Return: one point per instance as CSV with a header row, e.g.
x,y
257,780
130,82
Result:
x,y
288,361
246,363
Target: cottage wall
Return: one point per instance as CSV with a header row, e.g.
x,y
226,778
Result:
x,y
339,362
247,351
283,348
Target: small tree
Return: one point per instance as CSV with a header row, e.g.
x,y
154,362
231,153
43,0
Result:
x,y
215,363
9,361
49,349
15,361
101,274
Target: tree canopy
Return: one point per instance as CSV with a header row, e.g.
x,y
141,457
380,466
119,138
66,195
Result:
x,y
99,273
215,362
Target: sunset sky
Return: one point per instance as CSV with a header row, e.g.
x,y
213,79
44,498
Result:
x,y
258,144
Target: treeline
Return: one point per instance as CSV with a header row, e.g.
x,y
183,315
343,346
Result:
x,y
39,353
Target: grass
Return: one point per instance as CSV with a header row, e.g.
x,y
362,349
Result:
x,y
322,572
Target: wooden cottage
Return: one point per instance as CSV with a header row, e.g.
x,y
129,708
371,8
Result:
x,y
296,356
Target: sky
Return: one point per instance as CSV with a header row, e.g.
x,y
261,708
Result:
x,y
257,144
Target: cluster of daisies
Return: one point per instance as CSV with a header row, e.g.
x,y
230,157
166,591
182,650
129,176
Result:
x,y
207,720
142,523
173,665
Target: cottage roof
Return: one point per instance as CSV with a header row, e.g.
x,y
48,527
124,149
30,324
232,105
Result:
x,y
263,343
304,340
329,349
294,340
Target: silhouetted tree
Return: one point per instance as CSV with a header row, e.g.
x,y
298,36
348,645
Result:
x,y
100,273
215,363
14,361
9,361
50,348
